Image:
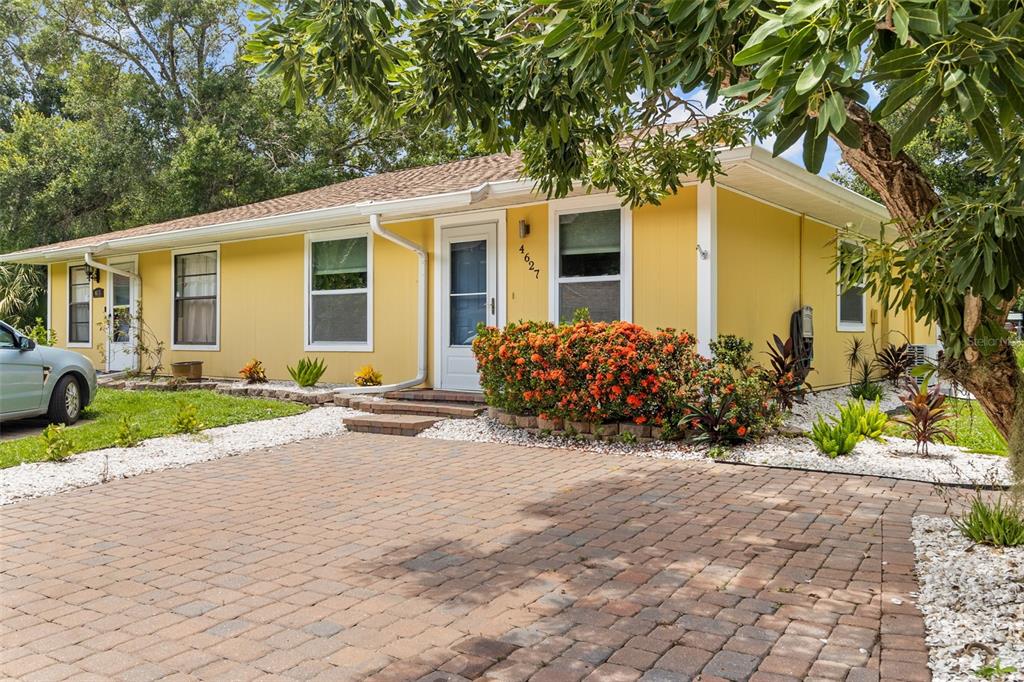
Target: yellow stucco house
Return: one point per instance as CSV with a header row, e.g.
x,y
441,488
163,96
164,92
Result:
x,y
396,270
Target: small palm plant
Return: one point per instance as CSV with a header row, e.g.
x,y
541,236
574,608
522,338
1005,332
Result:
x,y
927,412
307,372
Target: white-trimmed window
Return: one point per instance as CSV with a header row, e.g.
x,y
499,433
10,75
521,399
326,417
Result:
x,y
196,309
79,306
339,295
852,305
591,243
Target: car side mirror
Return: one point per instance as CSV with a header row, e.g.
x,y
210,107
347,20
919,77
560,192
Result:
x,y
25,343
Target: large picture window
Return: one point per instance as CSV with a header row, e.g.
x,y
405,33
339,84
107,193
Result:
x,y
79,305
590,264
195,299
339,300
852,303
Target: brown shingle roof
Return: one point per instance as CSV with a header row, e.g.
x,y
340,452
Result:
x,y
403,184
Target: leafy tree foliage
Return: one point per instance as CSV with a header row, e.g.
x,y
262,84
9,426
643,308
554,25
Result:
x,y
581,85
114,114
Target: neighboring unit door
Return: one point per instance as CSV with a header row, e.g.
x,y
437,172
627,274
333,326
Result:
x,y
469,288
21,376
122,320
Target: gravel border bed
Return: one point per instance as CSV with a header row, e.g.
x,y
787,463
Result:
x,y
890,458
824,402
167,452
483,429
969,594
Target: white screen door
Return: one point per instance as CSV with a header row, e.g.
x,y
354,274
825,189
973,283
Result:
x,y
469,287
122,311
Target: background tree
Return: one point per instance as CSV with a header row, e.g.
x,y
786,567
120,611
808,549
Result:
x,y
115,113
579,87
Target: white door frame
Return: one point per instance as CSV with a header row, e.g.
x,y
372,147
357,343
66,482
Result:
x,y
133,297
443,226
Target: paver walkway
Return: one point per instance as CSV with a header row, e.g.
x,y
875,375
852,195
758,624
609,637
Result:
x,y
400,559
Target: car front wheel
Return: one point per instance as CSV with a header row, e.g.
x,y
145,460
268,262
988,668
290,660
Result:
x,y
65,402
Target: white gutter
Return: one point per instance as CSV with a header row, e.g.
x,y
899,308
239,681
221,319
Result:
x,y
421,317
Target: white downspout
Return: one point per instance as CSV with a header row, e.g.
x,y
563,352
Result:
x,y
421,318
109,268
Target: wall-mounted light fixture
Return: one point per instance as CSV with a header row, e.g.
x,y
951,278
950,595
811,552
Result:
x,y
92,273
524,228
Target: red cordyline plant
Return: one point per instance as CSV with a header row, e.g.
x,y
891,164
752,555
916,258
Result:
x,y
789,374
927,411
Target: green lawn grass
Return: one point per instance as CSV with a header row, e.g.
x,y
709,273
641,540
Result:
x,y
973,429
153,411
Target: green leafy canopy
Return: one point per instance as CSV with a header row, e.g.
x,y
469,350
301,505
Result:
x,y
583,88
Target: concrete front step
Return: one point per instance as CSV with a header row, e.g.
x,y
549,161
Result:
x,y
430,409
390,424
423,395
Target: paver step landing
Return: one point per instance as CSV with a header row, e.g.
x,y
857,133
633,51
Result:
x,y
436,395
446,410
392,424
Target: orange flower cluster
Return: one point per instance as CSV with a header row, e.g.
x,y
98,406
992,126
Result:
x,y
586,371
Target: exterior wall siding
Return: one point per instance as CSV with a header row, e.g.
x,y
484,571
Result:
x,y
526,296
665,262
758,268
770,262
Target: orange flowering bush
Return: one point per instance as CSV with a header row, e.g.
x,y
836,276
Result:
x,y
585,371
517,367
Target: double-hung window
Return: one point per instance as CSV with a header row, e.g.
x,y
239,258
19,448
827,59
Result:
x,y
592,270
852,303
196,307
339,301
79,305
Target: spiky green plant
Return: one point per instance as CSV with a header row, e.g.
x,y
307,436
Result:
x,y
833,438
869,422
307,372
997,523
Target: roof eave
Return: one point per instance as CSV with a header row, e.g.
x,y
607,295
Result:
x,y
781,169
322,217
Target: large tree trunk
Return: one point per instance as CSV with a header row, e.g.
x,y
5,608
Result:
x,y
994,378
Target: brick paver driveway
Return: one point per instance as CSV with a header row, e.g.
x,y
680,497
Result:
x,y
403,558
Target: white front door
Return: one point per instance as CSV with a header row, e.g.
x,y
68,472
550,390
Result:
x,y
122,311
469,289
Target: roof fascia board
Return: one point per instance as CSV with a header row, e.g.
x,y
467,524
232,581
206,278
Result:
x,y
792,174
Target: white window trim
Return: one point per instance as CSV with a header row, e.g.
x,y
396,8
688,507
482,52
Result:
x,y
185,346
67,307
842,326
590,204
307,290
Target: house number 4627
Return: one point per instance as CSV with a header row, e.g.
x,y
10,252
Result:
x,y
529,261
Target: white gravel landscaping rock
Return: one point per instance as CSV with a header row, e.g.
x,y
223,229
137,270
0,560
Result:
x,y
970,595
168,452
890,457
483,429
824,402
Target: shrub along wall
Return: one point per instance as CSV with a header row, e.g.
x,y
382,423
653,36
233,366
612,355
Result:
x,y
595,374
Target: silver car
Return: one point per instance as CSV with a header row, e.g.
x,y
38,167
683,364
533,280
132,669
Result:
x,y
38,380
